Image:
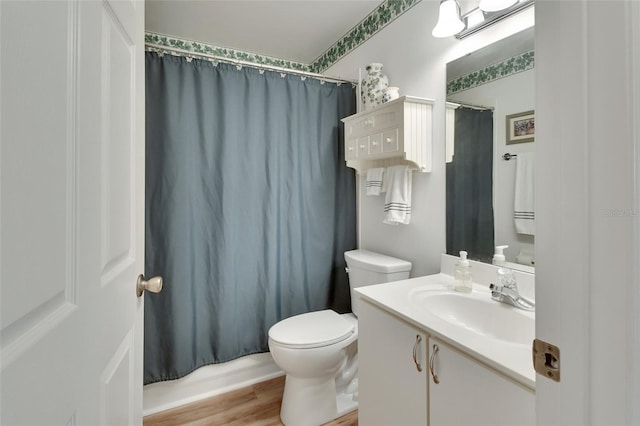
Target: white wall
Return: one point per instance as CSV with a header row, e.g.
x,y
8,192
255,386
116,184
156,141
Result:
x,y
416,62
508,96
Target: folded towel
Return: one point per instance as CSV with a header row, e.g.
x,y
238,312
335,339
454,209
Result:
x,y
524,198
397,204
374,181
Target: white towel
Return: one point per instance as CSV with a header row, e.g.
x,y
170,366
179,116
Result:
x,y
397,204
374,181
524,198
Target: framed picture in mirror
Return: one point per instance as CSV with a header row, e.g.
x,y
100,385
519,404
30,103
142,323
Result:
x,y
521,127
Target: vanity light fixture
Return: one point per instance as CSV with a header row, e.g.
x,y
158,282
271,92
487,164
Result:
x,y
474,18
449,22
477,19
495,5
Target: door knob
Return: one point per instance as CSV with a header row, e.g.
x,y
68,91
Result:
x,y
154,285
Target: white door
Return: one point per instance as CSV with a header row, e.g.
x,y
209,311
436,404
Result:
x,y
71,211
588,209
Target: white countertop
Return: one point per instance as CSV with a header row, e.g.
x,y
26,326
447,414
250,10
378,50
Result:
x,y
512,359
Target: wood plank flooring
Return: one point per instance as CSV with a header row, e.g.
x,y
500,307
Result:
x,y
256,405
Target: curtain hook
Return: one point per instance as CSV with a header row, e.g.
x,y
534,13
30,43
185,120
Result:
x,y
283,74
238,67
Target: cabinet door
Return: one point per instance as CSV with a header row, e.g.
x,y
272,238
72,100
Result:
x,y
363,147
469,393
375,144
351,151
390,140
392,390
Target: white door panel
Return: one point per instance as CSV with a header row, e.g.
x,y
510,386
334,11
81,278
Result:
x,y
118,249
72,211
587,63
38,142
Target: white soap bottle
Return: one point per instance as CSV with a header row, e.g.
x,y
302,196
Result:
x,y
462,279
498,256
505,276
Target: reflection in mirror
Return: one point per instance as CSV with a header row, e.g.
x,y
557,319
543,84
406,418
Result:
x,y
490,103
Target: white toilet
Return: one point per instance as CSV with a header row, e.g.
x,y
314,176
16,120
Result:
x,y
318,350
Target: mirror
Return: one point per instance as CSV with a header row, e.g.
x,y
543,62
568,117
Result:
x,y
490,136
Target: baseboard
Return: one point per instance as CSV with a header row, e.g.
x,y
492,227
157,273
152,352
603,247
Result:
x,y
209,381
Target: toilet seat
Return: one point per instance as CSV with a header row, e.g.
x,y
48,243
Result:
x,y
311,330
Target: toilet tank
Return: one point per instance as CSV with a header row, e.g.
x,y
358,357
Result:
x,y
368,268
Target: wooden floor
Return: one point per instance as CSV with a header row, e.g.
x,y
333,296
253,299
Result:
x,y
257,405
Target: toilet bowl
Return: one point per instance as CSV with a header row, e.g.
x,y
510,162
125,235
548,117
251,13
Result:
x,y
318,350
312,349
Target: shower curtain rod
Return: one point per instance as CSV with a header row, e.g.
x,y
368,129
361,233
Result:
x,y
160,48
479,107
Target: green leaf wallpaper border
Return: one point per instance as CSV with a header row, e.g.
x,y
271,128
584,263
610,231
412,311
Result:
x,y
223,52
522,62
381,16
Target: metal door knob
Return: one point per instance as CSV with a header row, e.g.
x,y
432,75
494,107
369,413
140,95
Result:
x,y
154,285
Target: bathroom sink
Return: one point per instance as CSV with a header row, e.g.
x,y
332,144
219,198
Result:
x,y
477,313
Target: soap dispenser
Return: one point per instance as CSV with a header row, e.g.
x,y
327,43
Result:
x,y
506,289
505,276
462,274
498,257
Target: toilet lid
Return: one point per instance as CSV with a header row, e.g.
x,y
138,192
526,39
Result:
x,y
311,330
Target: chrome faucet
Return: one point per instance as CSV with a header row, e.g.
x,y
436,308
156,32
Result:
x,y
507,292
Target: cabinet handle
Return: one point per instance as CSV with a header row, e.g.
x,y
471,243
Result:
x,y
415,352
362,146
389,140
431,361
374,143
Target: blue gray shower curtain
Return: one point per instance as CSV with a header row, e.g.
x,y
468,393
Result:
x,y
249,208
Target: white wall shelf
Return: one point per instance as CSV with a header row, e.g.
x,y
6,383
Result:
x,y
397,132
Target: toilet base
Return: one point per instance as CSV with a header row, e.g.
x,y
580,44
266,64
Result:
x,y
313,401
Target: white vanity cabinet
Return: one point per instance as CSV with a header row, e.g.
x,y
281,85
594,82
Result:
x,y
397,365
398,132
470,393
392,370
